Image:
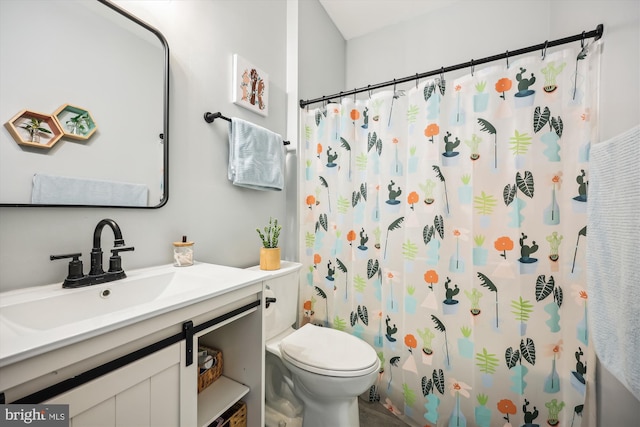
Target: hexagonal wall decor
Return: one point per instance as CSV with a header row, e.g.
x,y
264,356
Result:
x,y
34,129
75,122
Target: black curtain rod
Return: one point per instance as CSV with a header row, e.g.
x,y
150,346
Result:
x,y
596,34
210,117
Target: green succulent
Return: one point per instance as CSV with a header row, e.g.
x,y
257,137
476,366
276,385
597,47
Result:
x,y
271,234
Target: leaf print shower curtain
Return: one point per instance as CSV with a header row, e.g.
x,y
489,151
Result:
x,y
445,225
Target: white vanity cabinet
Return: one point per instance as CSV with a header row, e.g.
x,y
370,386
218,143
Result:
x,y
142,393
160,390
147,371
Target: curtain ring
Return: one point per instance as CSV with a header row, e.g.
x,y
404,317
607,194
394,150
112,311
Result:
x,y
442,74
340,97
472,66
369,89
394,87
582,41
417,80
354,95
544,49
507,56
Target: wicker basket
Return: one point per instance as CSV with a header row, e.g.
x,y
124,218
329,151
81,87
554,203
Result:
x,y
236,416
206,378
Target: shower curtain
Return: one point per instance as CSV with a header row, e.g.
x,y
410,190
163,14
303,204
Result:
x,y
445,224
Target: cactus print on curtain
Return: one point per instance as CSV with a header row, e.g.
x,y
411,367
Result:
x,y
446,226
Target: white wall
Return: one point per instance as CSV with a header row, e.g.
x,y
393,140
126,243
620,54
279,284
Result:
x,y
475,29
203,204
471,29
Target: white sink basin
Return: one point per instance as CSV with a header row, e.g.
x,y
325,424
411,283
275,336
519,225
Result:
x,y
42,318
69,306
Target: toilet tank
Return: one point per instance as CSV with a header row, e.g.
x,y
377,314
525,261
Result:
x,y
281,284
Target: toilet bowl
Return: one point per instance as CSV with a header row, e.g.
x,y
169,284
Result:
x,y
314,374
329,370
325,370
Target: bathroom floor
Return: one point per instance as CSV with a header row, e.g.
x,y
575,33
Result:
x,y
373,414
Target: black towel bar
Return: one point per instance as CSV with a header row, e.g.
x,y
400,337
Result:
x,y
210,117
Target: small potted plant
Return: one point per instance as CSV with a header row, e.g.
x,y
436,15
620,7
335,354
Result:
x,y
80,124
35,128
270,252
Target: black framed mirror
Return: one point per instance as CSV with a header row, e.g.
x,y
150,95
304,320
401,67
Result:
x,y
65,61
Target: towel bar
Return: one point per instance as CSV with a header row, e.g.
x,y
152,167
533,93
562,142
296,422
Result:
x,y
210,117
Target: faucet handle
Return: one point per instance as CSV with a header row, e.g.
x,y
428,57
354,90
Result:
x,y
115,262
74,256
75,265
116,251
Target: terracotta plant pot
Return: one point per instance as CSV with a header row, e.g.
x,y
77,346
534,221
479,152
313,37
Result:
x,y
269,258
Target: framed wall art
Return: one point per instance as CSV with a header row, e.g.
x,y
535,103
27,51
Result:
x,y
250,86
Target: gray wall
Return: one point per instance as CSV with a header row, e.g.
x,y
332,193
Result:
x,y
322,53
476,29
203,204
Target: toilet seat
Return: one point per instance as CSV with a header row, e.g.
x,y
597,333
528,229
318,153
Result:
x,y
328,352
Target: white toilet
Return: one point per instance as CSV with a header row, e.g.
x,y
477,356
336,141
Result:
x,y
313,374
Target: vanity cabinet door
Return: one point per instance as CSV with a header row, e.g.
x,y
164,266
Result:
x,y
143,393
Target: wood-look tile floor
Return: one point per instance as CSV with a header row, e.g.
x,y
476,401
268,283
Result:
x,y
373,414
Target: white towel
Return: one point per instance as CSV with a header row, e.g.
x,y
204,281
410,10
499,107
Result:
x,y
613,270
256,156
64,190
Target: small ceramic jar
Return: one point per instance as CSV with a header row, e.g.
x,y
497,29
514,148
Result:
x,y
183,253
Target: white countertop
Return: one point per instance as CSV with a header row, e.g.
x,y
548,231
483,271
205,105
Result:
x,y
44,318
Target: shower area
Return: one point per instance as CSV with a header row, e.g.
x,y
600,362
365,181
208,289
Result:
x,y
443,221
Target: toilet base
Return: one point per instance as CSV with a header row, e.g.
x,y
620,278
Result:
x,y
275,418
343,413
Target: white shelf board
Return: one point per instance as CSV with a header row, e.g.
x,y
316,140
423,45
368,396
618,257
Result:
x,y
217,398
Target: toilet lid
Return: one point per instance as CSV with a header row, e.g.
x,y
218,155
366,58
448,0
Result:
x,y
330,352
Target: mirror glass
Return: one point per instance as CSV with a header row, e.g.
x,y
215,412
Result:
x,y
91,65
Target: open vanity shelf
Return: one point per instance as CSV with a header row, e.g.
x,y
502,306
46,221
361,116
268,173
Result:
x,y
217,398
239,340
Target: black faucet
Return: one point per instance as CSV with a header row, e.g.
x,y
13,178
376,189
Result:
x,y
96,252
76,277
